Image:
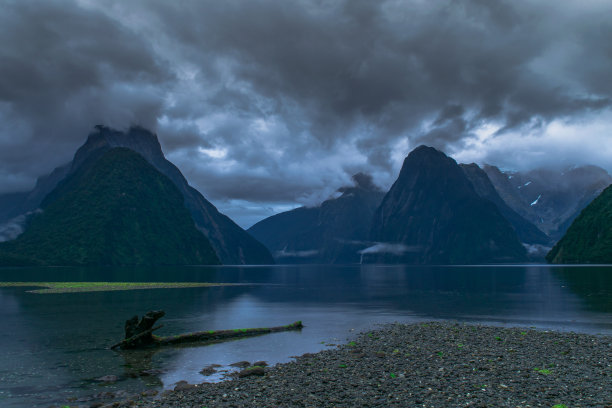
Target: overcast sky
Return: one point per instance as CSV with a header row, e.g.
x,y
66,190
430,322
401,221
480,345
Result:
x,y
265,105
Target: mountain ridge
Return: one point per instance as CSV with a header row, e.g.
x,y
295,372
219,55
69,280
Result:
x,y
232,244
116,210
332,232
433,210
550,199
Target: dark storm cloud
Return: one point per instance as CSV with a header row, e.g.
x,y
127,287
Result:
x,y
272,101
64,69
324,66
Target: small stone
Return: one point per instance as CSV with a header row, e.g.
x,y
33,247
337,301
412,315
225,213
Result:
x,y
241,364
149,393
104,395
152,371
183,386
108,379
206,371
260,363
251,371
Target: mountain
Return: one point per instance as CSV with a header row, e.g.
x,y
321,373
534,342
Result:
x,y
115,210
589,238
10,204
16,204
333,232
433,215
525,230
548,198
231,243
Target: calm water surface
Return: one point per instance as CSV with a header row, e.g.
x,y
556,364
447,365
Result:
x,y
55,346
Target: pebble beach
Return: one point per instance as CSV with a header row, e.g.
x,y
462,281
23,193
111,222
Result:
x,y
422,365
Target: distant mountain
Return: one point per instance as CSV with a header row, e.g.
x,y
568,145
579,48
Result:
x,y
589,238
525,230
232,244
115,210
15,204
333,232
433,215
550,199
10,205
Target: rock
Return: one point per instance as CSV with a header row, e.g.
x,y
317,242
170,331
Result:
x,y
241,364
149,393
255,370
105,395
206,371
108,379
152,371
260,363
183,385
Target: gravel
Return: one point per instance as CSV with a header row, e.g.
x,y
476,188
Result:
x,y
425,365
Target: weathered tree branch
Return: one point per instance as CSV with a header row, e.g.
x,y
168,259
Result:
x,y
139,334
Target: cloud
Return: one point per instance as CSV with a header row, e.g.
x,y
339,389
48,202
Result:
x,y
390,248
281,102
67,69
296,254
15,226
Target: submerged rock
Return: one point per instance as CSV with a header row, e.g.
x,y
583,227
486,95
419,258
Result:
x,y
108,379
241,364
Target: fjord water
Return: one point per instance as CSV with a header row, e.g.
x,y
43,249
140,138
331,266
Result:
x,y
54,346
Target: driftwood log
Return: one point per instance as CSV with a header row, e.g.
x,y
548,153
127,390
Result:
x,y
139,334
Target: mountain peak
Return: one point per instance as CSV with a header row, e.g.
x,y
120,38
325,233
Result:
x,y
135,138
424,151
362,182
427,157
432,206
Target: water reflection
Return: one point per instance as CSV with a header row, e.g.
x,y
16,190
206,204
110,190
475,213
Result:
x,y
57,345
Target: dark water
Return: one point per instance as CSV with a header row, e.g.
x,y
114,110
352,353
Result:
x,y
54,346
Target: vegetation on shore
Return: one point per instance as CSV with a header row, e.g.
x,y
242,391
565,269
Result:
x,y
589,238
79,287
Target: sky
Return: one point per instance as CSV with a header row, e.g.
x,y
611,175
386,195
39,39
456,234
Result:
x,y
265,105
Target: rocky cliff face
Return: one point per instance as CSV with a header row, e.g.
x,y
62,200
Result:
x,y
333,232
525,230
115,210
550,199
589,238
432,214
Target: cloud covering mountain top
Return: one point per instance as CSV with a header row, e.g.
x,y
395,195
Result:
x,y
264,104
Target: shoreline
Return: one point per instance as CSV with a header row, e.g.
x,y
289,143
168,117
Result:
x,y
433,364
86,287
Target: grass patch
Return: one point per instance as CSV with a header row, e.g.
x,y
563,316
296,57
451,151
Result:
x,y
79,287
